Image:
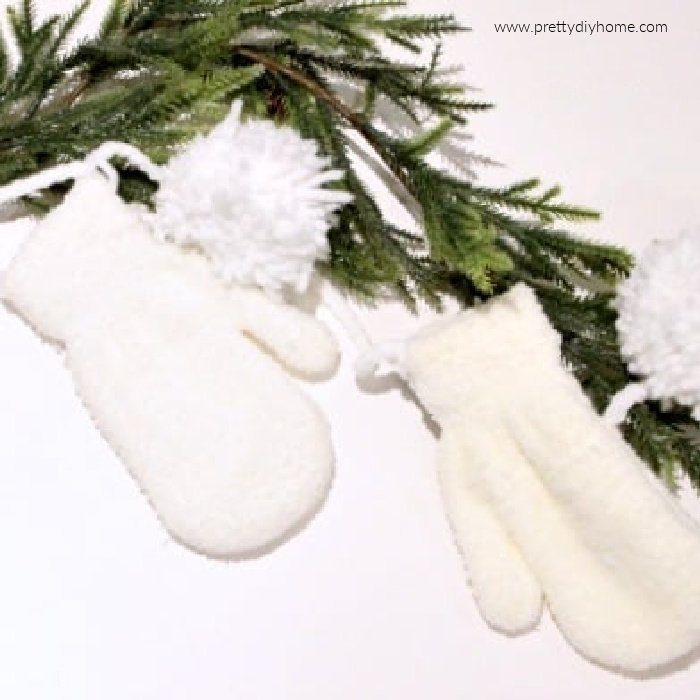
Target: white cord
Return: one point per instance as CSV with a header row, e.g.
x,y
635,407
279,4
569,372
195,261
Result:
x,y
337,304
108,150
97,160
624,400
373,359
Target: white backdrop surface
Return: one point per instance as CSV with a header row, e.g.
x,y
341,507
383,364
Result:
x,y
370,601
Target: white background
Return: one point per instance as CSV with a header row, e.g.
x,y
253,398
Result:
x,y
369,601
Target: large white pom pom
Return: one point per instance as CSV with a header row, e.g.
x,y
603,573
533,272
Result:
x,y
250,196
659,321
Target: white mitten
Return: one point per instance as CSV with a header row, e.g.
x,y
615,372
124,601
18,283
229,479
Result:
x,y
232,456
543,496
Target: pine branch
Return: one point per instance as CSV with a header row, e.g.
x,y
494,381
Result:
x,y
356,120
155,62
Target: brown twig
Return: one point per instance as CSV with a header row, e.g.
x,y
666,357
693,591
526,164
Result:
x,y
356,120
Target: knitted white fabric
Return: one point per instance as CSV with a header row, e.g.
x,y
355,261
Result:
x,y
251,197
545,498
659,323
232,456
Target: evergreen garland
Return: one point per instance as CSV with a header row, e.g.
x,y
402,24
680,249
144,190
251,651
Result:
x,y
161,71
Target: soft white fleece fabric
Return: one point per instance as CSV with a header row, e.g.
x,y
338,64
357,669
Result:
x,y
232,456
544,497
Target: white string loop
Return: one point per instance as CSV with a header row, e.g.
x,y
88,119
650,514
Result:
x,y
97,160
373,359
621,403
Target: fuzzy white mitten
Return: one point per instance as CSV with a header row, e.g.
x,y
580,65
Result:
x,y
231,454
545,498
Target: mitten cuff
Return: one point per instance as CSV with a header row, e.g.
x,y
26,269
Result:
x,y
502,341
68,260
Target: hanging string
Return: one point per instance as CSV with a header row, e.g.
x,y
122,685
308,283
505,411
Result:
x,y
621,403
373,359
95,161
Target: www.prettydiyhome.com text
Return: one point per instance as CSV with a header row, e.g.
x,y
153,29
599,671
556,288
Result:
x,y
589,28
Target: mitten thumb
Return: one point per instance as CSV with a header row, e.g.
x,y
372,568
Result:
x,y
297,339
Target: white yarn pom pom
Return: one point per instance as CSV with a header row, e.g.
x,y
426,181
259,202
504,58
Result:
x,y
659,321
250,196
